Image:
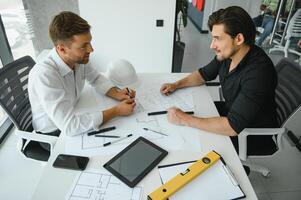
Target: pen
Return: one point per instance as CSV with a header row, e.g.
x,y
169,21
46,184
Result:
x,y
147,129
129,92
108,136
164,112
109,143
102,130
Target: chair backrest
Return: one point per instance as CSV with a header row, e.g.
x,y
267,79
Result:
x,y
293,29
13,92
288,90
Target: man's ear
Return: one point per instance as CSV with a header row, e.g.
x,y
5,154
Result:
x,y
61,48
240,39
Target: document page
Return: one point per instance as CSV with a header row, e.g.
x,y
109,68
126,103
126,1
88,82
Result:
x,y
101,185
215,183
151,100
175,137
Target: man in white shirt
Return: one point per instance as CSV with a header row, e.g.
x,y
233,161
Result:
x,y
55,84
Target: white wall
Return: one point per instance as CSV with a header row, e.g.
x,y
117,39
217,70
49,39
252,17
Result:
x,y
127,29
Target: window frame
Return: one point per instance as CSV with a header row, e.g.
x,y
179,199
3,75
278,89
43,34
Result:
x,y
5,128
6,57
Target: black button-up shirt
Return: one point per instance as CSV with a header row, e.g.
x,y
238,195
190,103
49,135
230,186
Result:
x,y
249,89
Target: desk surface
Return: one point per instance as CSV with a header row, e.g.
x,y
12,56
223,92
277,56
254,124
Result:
x,y
55,183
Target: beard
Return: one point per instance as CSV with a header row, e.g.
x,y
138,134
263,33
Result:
x,y
234,50
231,54
83,60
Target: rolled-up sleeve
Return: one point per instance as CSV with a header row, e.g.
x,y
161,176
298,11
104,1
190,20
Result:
x,y
210,71
256,87
97,80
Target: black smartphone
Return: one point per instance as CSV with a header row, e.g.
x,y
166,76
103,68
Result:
x,y
71,162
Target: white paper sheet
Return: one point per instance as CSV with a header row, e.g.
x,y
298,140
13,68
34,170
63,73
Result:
x,y
91,146
99,184
216,183
148,99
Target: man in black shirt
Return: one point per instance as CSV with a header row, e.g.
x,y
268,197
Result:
x,y
247,76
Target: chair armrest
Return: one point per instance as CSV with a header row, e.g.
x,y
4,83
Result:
x,y
212,83
28,136
242,138
217,85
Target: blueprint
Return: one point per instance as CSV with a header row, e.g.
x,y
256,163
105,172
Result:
x,y
152,100
91,146
147,100
101,185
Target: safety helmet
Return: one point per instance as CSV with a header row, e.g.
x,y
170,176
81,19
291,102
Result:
x,y
121,72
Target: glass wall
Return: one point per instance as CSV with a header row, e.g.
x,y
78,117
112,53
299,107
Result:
x,y
25,27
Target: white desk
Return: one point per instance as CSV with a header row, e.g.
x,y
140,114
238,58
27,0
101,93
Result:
x,y
55,183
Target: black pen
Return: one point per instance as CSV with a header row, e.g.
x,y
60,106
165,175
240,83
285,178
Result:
x,y
129,92
147,129
102,130
108,136
164,112
109,143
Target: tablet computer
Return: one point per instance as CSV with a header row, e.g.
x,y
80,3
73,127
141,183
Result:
x,y
135,161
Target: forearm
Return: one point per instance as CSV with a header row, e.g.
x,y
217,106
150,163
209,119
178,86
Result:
x,y
109,114
193,79
219,125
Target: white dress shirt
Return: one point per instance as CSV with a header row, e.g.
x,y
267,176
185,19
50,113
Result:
x,y
54,90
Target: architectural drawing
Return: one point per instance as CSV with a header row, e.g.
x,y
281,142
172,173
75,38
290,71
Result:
x,y
100,185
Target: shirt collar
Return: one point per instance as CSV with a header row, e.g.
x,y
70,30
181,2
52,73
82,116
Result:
x,y
64,69
242,63
245,58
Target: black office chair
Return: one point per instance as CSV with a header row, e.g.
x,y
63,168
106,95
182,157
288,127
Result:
x,y
267,141
288,100
14,100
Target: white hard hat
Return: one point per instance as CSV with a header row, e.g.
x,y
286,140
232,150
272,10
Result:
x,y
122,72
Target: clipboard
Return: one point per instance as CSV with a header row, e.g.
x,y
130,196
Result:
x,y
201,179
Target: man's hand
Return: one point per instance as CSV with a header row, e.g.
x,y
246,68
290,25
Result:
x,y
126,93
121,95
177,116
168,88
126,107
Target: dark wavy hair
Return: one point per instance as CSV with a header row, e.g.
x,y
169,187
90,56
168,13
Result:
x,y
235,20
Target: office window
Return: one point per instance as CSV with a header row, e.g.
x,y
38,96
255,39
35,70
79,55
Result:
x,y
16,30
17,27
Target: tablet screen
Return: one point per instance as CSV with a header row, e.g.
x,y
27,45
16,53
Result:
x,y
135,161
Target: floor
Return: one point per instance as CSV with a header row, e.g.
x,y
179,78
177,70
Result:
x,y
18,176
285,182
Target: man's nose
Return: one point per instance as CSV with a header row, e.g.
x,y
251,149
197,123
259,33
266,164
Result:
x,y
212,45
90,48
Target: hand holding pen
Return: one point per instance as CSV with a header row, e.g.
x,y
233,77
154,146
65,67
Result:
x,y
126,93
131,93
